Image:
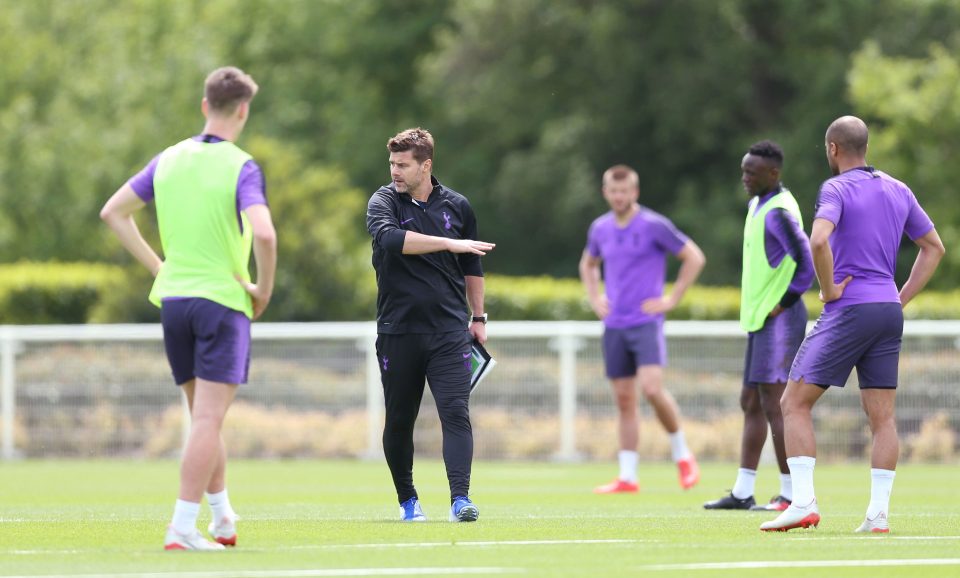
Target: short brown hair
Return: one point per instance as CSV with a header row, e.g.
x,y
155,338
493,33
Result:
x,y
621,173
227,87
418,140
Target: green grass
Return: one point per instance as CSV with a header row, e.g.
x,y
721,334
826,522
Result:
x,y
108,517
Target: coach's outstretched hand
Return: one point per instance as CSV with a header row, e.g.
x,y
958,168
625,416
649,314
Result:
x,y
469,246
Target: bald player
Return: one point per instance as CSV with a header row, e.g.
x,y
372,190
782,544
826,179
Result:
x,y
861,215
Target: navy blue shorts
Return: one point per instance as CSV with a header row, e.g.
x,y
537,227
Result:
x,y
205,339
625,350
771,349
865,336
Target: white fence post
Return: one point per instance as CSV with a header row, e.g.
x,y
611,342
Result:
x,y
374,398
567,345
8,354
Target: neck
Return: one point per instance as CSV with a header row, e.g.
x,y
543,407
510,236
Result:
x,y
766,192
221,128
844,164
423,190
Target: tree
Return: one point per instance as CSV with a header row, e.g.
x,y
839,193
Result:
x,y
912,106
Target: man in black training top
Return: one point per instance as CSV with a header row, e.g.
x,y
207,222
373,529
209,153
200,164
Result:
x,y
428,268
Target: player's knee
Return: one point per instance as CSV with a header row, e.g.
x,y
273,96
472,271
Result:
x,y
626,400
651,390
749,401
453,408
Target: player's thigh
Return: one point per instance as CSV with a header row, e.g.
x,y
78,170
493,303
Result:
x,y
402,362
618,358
178,339
772,348
833,347
878,367
211,399
222,350
448,367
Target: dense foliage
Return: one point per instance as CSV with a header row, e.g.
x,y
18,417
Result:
x,y
529,101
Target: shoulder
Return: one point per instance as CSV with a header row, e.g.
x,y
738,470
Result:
x,y
453,196
386,191
779,218
385,195
648,216
833,186
895,182
602,222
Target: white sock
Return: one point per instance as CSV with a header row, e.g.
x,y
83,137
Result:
x,y
801,473
744,486
220,506
880,488
185,517
678,446
628,465
786,486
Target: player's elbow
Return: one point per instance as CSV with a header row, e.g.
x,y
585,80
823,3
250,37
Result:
x,y
819,243
938,249
108,215
265,237
695,257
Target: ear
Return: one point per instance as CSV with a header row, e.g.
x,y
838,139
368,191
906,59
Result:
x,y
205,107
427,165
243,110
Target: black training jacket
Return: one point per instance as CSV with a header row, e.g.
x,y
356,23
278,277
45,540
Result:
x,y
421,293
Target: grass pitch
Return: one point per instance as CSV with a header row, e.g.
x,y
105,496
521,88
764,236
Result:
x,y
338,518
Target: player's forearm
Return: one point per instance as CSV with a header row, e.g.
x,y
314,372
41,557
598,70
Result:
x,y
590,277
690,268
927,261
475,290
126,230
420,244
823,266
265,256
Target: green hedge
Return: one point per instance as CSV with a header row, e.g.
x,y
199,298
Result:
x,y
35,293
548,299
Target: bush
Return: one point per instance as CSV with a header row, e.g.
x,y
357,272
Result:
x,y
37,293
551,299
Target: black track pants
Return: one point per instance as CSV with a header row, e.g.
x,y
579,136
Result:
x,y
443,359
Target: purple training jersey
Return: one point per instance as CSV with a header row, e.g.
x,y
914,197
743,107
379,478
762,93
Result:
x,y
871,211
634,262
250,185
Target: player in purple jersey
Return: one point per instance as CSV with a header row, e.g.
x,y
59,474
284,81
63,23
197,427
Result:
x,y
776,324
205,316
861,216
633,242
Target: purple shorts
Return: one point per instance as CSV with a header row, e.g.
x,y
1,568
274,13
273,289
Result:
x,y
624,350
865,336
205,339
771,349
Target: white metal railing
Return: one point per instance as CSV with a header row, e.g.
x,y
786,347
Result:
x,y
566,339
